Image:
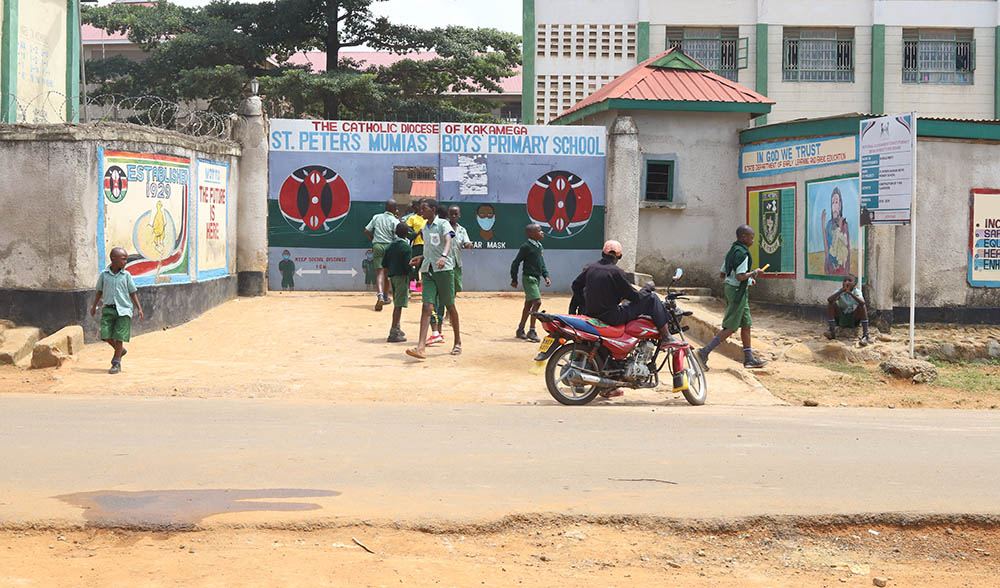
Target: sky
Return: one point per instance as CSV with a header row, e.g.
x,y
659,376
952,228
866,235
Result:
x,y
501,14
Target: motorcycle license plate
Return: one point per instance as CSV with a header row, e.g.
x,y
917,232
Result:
x,y
546,343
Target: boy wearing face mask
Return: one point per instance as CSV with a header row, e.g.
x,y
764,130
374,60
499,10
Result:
x,y
486,218
287,268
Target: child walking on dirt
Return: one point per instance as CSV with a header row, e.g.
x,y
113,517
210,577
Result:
x,y
436,271
534,271
117,288
380,231
396,262
461,241
738,276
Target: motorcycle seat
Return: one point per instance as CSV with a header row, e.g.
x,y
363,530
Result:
x,y
593,326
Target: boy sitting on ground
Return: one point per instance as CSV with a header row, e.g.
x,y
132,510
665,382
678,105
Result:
x,y
396,262
847,308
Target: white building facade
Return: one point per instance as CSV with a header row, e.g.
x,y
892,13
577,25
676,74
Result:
x,y
814,58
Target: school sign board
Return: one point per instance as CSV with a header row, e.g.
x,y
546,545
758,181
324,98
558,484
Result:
x,y
766,159
328,178
171,215
888,146
984,238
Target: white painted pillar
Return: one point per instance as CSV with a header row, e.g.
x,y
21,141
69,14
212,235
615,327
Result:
x,y
624,164
251,214
880,268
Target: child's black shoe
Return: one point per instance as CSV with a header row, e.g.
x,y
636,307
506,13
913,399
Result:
x,y
520,333
532,336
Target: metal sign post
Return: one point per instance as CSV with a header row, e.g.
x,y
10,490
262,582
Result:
x,y
913,235
889,181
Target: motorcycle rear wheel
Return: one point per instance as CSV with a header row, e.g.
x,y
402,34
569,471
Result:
x,y
559,367
697,390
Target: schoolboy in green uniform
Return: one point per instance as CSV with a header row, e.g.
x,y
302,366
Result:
x,y
738,276
534,271
461,241
847,309
397,264
380,230
436,265
117,288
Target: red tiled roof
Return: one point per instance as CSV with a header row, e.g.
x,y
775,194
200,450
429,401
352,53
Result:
x,y
317,59
92,33
648,81
424,188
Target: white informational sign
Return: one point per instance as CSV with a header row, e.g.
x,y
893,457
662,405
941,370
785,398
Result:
x,y
888,144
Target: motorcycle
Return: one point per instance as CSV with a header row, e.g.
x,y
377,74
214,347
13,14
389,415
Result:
x,y
586,357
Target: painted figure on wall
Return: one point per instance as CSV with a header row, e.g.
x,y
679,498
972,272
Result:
x,y
368,266
833,230
836,237
486,218
287,268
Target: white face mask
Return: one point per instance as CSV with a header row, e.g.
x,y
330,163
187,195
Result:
x,y
486,223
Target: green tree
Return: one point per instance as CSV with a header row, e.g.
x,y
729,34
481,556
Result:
x,y
210,53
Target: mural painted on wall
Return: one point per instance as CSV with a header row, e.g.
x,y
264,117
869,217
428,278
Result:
x,y
984,238
328,178
212,218
833,231
144,209
771,213
41,60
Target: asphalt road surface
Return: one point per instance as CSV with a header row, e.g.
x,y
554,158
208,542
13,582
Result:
x,y
220,461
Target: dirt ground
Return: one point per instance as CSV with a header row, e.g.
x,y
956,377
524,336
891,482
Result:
x,y
331,346
558,555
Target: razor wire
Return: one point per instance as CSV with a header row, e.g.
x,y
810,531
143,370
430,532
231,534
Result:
x,y
151,111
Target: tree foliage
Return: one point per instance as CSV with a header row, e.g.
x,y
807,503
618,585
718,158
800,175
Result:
x,y
210,53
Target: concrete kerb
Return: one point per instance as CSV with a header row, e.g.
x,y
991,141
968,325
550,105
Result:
x,y
54,350
18,344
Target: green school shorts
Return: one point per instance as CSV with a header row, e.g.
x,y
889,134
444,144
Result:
x,y
439,285
378,252
530,285
737,309
846,320
400,290
115,326
458,278
288,281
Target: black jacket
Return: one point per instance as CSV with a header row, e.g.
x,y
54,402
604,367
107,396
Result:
x,y
603,285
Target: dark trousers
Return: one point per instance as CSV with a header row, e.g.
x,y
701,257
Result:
x,y
647,304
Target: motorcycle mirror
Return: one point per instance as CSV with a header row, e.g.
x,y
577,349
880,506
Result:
x,y
678,273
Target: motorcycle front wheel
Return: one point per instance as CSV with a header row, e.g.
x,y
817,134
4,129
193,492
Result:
x,y
559,368
697,390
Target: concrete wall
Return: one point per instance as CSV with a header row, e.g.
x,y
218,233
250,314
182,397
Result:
x,y
50,216
947,170
794,99
695,230
945,100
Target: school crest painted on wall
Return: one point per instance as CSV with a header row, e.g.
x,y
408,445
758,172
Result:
x,y
561,203
770,222
314,199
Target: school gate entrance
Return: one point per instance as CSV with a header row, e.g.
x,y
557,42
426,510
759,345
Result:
x,y
327,179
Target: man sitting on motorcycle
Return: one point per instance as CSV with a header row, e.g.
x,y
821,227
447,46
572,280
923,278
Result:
x,y
603,286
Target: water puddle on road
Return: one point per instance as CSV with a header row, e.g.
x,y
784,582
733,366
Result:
x,y
182,508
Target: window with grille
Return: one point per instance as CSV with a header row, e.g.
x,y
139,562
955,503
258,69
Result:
x,y
938,56
721,50
818,55
660,180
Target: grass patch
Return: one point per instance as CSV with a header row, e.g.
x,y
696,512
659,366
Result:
x,y
843,367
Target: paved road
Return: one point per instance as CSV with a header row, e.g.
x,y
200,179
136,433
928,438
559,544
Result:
x,y
162,460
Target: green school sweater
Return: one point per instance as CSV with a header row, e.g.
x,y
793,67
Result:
x,y
534,264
